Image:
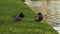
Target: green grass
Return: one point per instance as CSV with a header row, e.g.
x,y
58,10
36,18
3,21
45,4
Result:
x,y
9,8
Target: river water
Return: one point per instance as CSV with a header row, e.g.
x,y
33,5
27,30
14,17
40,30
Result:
x,y
50,11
